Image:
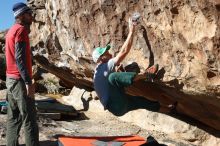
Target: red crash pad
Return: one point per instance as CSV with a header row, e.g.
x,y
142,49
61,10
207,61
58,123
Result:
x,y
133,140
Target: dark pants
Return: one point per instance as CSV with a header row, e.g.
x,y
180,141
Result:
x,y
119,102
21,110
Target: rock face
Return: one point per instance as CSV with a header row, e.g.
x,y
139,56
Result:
x,y
182,36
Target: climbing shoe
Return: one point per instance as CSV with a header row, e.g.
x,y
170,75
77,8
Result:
x,y
151,72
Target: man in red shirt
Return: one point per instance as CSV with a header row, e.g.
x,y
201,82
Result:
x,y
21,108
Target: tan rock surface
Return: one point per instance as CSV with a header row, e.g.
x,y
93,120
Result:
x,y
182,36
181,129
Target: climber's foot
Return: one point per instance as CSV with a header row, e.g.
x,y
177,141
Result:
x,y
151,72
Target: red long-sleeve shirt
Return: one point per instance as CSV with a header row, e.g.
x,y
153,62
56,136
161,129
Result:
x,y
18,53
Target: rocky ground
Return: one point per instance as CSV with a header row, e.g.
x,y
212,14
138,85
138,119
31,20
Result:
x,y
87,124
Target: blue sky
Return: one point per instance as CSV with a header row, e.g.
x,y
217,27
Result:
x,y
6,13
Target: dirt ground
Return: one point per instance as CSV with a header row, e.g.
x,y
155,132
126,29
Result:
x,y
87,124
81,125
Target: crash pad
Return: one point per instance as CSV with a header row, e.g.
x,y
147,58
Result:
x,y
133,140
